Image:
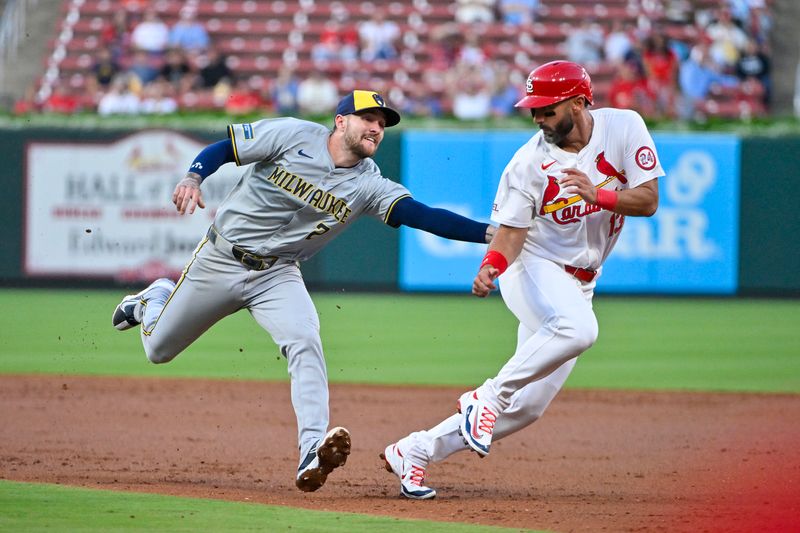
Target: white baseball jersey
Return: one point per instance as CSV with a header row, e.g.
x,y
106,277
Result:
x,y
563,228
294,200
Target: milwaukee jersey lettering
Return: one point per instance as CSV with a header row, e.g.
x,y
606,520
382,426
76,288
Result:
x,y
292,200
563,228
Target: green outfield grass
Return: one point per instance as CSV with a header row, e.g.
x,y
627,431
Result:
x,y
38,507
699,344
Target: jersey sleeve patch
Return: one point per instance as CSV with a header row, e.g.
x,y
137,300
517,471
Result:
x,y
646,158
248,131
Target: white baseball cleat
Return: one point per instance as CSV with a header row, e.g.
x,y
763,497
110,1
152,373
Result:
x,y
331,452
477,424
128,313
412,477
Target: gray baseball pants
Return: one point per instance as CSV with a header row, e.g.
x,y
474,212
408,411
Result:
x,y
215,285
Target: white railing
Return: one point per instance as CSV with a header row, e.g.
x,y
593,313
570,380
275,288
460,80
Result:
x,y
12,26
12,22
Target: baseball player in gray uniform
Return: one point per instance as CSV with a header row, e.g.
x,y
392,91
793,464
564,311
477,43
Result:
x,y
306,184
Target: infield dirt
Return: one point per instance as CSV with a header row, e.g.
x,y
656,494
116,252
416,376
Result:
x,y
597,461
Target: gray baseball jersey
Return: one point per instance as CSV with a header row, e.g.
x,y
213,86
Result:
x,y
293,200
289,204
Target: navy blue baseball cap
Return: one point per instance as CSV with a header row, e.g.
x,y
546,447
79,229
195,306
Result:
x,y
362,101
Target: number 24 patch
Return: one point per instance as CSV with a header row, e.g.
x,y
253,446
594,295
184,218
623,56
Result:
x,y
646,158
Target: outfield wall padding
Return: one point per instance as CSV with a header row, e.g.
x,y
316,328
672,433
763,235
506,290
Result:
x,y
770,216
367,257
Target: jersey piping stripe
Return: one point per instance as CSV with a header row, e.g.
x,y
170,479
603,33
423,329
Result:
x,y
233,142
148,332
389,212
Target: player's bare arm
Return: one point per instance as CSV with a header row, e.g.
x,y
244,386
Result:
x,y
187,195
641,201
508,242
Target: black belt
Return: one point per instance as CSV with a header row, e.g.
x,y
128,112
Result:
x,y
251,261
583,274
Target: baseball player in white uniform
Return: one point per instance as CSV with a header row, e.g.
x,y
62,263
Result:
x,y
306,184
560,205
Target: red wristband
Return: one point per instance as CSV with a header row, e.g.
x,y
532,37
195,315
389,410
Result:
x,y
495,259
606,199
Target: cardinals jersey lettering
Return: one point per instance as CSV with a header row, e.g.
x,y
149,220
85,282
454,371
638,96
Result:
x,y
563,228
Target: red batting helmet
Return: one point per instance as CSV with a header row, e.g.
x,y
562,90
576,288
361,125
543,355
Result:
x,y
556,81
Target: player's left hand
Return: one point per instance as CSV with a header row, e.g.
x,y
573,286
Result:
x,y
484,281
187,194
577,182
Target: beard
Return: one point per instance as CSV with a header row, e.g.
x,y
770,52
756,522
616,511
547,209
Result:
x,y
353,143
559,132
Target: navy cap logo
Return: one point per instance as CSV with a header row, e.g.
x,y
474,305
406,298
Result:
x,y
378,99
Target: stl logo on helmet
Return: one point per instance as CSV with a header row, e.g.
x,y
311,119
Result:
x,y
529,86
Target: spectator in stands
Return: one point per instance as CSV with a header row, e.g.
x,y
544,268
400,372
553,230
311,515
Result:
x,y
696,77
243,99
62,101
445,42
176,70
661,72
189,34
143,67
151,34
420,102
116,34
635,54
284,92
317,95
436,83
727,40
377,36
517,12
471,95
119,100
629,90
157,98
504,89
754,64
678,11
105,68
617,43
760,22
214,69
739,10
471,52
336,43
585,44
472,11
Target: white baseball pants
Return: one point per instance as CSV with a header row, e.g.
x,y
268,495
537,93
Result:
x,y
556,325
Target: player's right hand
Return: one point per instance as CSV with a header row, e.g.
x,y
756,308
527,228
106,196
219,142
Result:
x,y
484,281
187,194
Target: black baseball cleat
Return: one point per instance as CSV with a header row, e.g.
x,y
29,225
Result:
x,y
124,316
129,312
330,453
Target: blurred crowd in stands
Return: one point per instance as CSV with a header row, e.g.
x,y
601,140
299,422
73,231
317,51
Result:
x,y
146,66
